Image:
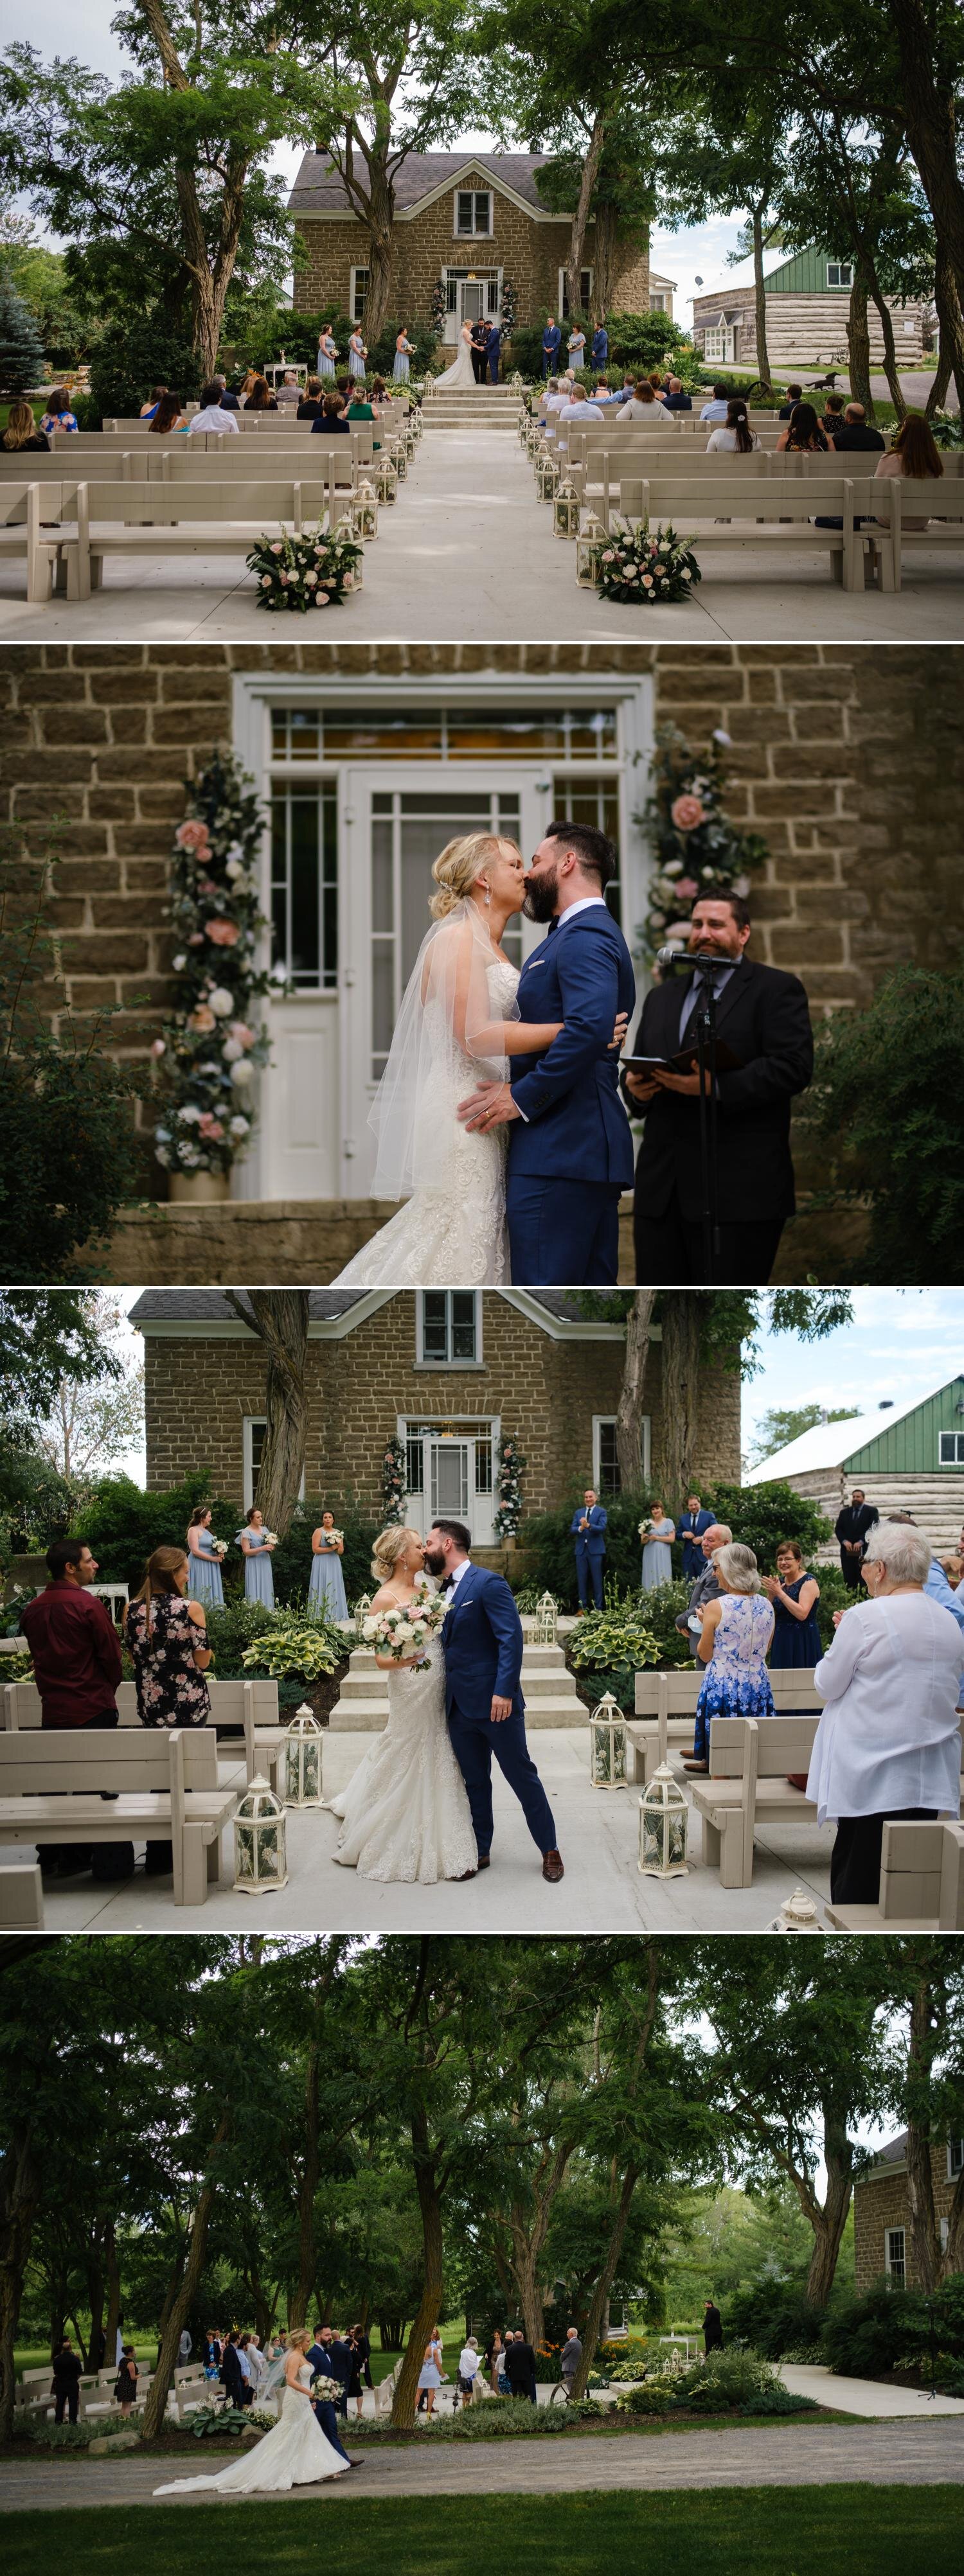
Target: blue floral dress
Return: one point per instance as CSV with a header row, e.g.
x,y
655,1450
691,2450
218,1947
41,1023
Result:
x,y
258,1577
327,1586
736,1682
205,1574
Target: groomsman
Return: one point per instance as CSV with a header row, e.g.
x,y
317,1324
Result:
x,y
850,1531
588,1528
600,347
492,351
480,349
690,1527
551,345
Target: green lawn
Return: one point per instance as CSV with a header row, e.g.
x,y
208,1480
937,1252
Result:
x,y
752,2531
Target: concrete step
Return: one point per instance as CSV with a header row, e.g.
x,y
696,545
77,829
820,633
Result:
x,y
535,1659
370,1716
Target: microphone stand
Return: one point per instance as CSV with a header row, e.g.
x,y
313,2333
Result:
x,y
704,1024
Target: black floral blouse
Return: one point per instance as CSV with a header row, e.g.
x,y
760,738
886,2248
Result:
x,y
170,1690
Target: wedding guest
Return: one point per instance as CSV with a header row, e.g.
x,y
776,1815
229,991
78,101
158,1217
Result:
x,y
657,1566
429,2378
675,399
734,435
691,1528
205,1568
229,401
361,2349
359,407
310,403
850,1530
644,409
67,2374
706,1586
76,1667
166,1637
333,417
588,1528
184,2344
888,1745
937,1585
58,414
520,2368
125,2384
213,2349
168,417
712,2327
289,390
831,418
148,408
494,2360
913,453
212,415
435,2347
794,395
248,2373
803,435
579,406
853,434
231,2373
737,1628
326,1588
260,397
22,436
570,2358
256,1543
469,2365
716,408
794,1595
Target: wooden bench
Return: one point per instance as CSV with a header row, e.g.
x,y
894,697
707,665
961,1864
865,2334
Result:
x,y
163,1785
22,1899
748,1786
758,513
234,1704
921,1882
896,500
666,1708
186,518
24,509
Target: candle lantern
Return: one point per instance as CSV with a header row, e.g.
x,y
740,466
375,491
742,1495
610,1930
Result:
x,y
566,510
303,1744
607,1745
546,475
260,1858
663,1823
364,509
362,1608
589,552
400,459
386,481
547,1618
798,1914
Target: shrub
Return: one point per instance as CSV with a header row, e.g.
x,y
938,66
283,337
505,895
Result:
x,y
295,1646
22,362
525,351
651,2397
890,1128
130,358
205,2420
63,2437
761,1515
772,2316
122,1523
874,2334
610,1647
737,2380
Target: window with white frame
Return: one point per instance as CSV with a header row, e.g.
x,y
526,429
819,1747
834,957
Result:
x,y
955,2158
944,2231
839,272
357,293
255,1430
714,341
951,1451
605,1461
657,302
448,1330
585,293
895,2257
473,213
304,886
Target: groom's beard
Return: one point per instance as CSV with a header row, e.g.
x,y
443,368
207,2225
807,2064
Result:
x,y
541,897
435,1560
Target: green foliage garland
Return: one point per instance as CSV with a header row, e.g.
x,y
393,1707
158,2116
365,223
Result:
x,y
212,1046
394,1471
697,850
511,1468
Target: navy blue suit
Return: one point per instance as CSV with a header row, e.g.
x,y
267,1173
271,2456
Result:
x,y
482,1644
600,347
571,1152
324,2407
551,344
492,349
590,1550
690,1527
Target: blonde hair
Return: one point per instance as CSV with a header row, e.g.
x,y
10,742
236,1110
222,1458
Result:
x,y
738,1566
21,425
389,1546
457,867
301,2335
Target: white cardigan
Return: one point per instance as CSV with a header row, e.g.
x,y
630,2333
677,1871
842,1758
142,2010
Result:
x,y
889,1736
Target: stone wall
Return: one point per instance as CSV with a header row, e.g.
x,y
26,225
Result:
x,y
530,253
546,1392
881,2202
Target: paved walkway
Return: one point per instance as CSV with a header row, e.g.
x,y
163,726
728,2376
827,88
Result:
x,y
598,1836
467,555
781,2456
865,2396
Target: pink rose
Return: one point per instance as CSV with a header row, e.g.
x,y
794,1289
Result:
x,y
276,549
321,599
193,836
158,1047
266,581
687,887
687,812
202,1020
239,1029
224,933
647,581
210,1127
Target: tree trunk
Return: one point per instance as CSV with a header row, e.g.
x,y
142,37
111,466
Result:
x,y
858,338
19,2201
828,2232
924,2232
599,2302
179,2308
430,2303
890,352
112,2270
929,110
375,314
280,1319
629,1412
210,275
580,220
681,1314
950,345
604,262
525,2273
760,295
307,2188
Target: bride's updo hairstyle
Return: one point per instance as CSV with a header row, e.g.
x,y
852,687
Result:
x,y
457,867
389,1546
300,2339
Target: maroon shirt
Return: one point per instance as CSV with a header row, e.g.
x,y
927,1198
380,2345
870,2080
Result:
x,y
76,1656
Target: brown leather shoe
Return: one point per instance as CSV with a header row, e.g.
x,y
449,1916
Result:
x,y
697,1766
462,1875
552,1868
483,1860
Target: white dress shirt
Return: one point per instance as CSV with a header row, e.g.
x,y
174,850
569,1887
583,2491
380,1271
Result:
x,y
586,902
457,1573
468,2361
889,1736
214,418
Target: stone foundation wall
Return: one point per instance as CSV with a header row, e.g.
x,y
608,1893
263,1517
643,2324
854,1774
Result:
x,y
881,2202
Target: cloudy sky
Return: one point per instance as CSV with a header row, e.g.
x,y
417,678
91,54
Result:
x,y
57,27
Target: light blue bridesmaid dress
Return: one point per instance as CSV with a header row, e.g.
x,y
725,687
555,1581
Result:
x,y
206,1573
258,1577
356,363
400,368
326,360
657,1559
327,1586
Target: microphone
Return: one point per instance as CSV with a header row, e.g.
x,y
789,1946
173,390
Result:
x,y
668,959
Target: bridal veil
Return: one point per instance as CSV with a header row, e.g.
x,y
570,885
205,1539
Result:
x,y
448,1032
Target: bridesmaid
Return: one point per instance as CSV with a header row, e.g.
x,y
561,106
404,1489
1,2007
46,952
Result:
x,y
256,1546
577,349
327,353
357,354
657,1564
404,350
205,1565
327,1586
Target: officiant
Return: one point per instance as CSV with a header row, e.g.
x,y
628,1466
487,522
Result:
x,y
763,1021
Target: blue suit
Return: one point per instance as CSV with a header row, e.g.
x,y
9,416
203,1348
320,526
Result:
x,y
590,1551
571,1152
551,344
492,348
600,347
482,1644
690,1527
324,2407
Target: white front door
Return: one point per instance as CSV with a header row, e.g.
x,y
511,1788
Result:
x,y
300,1136
457,1481
471,300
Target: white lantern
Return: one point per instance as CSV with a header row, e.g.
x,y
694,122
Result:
x,y
386,480
362,1609
547,475
566,510
260,1857
303,1745
400,459
663,1824
588,551
798,1914
364,509
547,1618
607,1745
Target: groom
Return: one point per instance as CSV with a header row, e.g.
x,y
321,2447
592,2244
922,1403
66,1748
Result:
x,y
482,1645
570,1151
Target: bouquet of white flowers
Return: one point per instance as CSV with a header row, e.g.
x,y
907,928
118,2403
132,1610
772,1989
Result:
x,y
219,1547
323,2387
329,1538
646,1529
404,1633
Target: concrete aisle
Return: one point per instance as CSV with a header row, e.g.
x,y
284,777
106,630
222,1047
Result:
x,y
781,2456
865,2396
467,555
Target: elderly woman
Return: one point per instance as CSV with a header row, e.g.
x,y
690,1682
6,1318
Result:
x,y
888,1745
737,1629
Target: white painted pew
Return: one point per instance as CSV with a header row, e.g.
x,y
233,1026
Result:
x,y
24,508
921,1882
666,1708
897,499
21,1899
164,1788
234,1703
750,1758
757,513
180,518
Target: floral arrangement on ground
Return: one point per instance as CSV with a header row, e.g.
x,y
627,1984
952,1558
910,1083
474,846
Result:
x,y
639,567
307,568
211,1047
695,846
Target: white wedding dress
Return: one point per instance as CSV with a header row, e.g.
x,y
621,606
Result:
x,y
451,1234
296,2453
459,377
405,1811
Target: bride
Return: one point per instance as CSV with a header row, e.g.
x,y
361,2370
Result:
x,y
405,1813
296,2453
459,1022
459,378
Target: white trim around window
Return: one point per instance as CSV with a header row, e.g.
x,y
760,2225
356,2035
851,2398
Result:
x,y
481,197
895,2258
356,294
606,1421
257,1422
955,2158
477,1360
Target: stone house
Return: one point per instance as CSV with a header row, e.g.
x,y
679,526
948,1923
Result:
x,y
448,1372
476,223
883,2244
807,303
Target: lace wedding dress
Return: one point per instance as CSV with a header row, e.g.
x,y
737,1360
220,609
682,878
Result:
x,y
458,378
296,2453
405,1811
451,1234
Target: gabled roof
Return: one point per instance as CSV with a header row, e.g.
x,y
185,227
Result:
x,y
830,1444
207,1313
319,188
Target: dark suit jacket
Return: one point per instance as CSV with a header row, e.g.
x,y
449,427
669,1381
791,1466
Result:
x,y
520,2368
764,1017
582,974
855,1520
